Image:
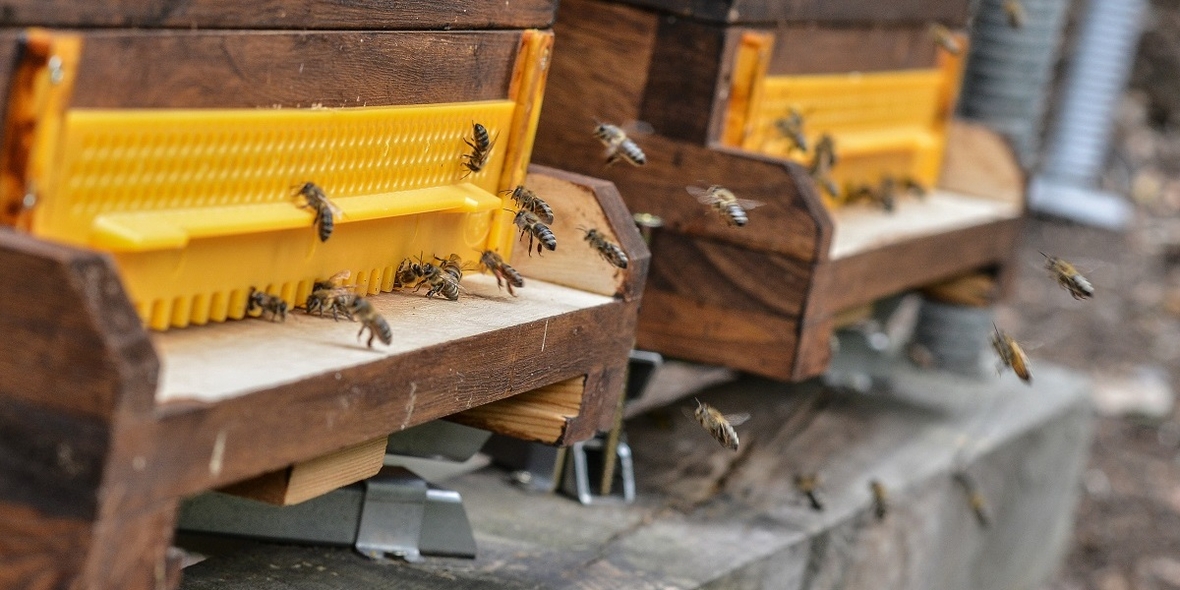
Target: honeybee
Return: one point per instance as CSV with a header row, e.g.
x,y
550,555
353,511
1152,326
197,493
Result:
x,y
887,194
529,201
502,271
530,225
370,320
608,250
1068,277
452,265
618,145
808,485
1014,10
913,187
331,295
442,281
975,499
1011,355
267,303
481,147
791,127
718,425
945,39
822,161
325,210
407,274
880,499
725,203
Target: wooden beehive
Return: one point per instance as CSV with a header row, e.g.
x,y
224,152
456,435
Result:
x,y
710,78
105,425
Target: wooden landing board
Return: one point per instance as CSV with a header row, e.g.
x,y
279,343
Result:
x,y
218,362
863,228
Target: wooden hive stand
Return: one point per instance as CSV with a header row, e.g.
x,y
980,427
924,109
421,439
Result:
x,y
105,425
765,298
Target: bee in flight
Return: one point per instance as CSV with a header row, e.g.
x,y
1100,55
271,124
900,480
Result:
x,y
1011,355
267,303
502,271
791,127
725,203
608,250
618,145
370,320
325,211
1014,10
331,295
880,499
481,147
529,201
945,39
1068,277
822,161
528,224
718,425
808,485
975,499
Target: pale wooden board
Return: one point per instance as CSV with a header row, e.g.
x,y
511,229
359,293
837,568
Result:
x,y
861,228
221,361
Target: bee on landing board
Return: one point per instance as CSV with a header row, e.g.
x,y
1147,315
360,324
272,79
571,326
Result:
x,y
808,485
267,303
1011,355
730,208
718,425
975,499
502,271
481,148
1014,10
370,320
618,145
407,275
325,211
530,225
945,39
452,265
791,127
331,295
528,200
880,499
822,161
608,250
442,280
1068,277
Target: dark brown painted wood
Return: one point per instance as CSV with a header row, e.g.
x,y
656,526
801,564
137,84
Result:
x,y
682,82
842,11
816,49
219,69
279,14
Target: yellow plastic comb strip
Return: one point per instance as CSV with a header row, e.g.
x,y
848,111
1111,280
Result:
x,y
197,165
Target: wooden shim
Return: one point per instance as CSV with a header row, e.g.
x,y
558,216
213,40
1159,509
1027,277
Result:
x,y
234,69
280,14
843,11
981,163
308,479
974,289
541,415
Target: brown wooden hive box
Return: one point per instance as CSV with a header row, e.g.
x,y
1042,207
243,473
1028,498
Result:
x,y
712,78
115,403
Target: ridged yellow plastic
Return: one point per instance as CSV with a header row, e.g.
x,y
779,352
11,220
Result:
x,y
198,206
887,123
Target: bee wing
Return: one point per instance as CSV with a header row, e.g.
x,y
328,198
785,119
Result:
x,y
701,194
748,204
737,419
335,209
640,128
338,279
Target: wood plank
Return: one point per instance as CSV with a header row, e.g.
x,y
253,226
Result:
x,y
235,69
981,163
952,12
974,289
315,477
685,79
541,415
864,228
809,49
684,328
280,14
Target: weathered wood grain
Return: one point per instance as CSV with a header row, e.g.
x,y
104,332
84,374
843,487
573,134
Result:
x,y
279,14
258,69
871,47
843,11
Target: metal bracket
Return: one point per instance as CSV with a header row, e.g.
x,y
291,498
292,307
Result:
x,y
588,456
